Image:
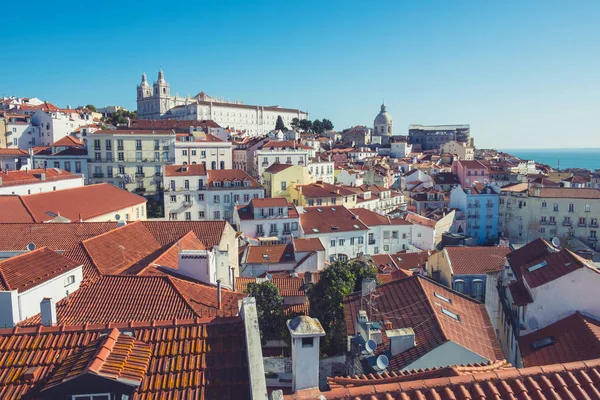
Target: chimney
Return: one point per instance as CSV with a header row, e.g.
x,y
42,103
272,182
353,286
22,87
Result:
x,y
48,311
219,293
306,333
387,325
400,340
80,218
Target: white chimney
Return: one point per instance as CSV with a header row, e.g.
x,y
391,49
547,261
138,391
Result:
x,y
306,333
401,339
48,311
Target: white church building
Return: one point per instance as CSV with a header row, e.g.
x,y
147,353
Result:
x,y
156,102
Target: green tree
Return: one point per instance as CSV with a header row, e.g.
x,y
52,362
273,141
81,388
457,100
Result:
x,y
295,124
279,123
327,124
305,125
269,308
91,107
317,126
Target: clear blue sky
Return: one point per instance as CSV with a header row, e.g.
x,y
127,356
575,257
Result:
x,y
522,73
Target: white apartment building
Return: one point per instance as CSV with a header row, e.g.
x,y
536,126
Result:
x,y
462,151
282,152
341,232
54,124
322,169
131,160
386,235
202,148
400,149
13,159
527,213
244,153
67,153
194,193
156,102
21,133
37,181
268,220
350,177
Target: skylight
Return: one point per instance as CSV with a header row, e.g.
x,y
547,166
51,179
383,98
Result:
x,y
450,314
357,227
315,230
439,296
540,344
332,208
319,210
537,266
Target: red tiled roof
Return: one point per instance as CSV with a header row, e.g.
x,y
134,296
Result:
x,y
13,152
557,265
410,261
185,170
124,298
275,168
324,189
177,125
576,380
411,303
316,220
21,177
189,359
270,254
131,132
419,220
31,269
170,258
471,164
565,193
87,201
12,209
538,248
168,232
286,144
271,202
289,286
116,251
308,244
67,141
115,356
477,260
371,218
230,175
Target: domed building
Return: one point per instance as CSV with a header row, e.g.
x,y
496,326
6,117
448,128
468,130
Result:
x,y
383,125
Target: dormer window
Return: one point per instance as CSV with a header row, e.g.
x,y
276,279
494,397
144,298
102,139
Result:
x,y
217,183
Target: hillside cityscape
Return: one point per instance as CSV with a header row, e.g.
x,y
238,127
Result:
x,y
198,247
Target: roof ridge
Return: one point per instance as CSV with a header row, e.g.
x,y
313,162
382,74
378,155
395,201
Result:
x,y
171,281
27,208
107,344
435,316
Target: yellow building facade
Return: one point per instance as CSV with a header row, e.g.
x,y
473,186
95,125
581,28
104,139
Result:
x,y
279,179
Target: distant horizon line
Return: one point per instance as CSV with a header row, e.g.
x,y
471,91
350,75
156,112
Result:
x,y
548,148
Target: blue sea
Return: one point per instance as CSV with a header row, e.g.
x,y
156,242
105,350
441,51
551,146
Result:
x,y
567,158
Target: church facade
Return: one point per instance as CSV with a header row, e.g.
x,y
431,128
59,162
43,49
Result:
x,y
156,102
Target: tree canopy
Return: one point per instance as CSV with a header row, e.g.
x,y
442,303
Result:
x,y
327,296
269,308
279,125
91,107
119,117
327,124
317,126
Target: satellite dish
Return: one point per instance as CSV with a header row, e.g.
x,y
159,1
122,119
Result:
x,y
370,346
382,362
556,242
268,277
31,246
117,217
533,323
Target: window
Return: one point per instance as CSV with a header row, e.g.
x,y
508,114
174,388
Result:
x,y
193,152
78,167
352,241
361,240
283,185
459,285
451,314
571,207
216,198
332,243
69,280
478,288
376,250
97,144
138,156
246,198
173,199
188,216
109,171
222,164
138,144
544,204
439,296
555,206
587,208
307,342
184,152
227,198
99,396
213,165
386,235
98,156
294,226
216,215
186,184
200,214
68,166
341,242
120,144
121,170
56,164
395,235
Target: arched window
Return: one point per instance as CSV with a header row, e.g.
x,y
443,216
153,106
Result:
x,y
459,285
222,164
164,90
213,165
389,129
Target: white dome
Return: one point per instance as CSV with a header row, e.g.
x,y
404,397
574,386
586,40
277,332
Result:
x,y
383,118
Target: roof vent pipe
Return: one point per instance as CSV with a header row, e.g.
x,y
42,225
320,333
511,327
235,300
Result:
x,y
219,293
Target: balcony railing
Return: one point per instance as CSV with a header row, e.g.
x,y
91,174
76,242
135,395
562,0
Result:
x,y
140,175
593,224
301,162
98,175
134,160
287,232
187,204
489,205
592,238
139,190
581,224
371,241
159,174
567,223
273,233
260,233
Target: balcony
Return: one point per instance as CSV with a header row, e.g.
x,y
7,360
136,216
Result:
x,y
489,226
260,233
159,174
583,224
567,223
289,162
264,164
287,232
273,233
187,204
166,148
98,175
371,241
473,215
140,175
593,224
139,190
301,162
489,205
544,223
592,238
551,222
120,148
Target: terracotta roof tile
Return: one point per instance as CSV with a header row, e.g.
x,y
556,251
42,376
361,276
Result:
x,y
565,193
185,170
88,201
316,220
286,144
20,177
189,359
553,266
532,251
419,220
270,254
230,175
574,338
67,141
271,202
177,125
28,270
413,304
308,244
275,168
168,232
289,286
170,258
12,209
476,260
371,218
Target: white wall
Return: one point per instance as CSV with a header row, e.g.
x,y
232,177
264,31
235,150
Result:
x,y
305,362
9,308
423,237
350,250
42,186
204,152
402,242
